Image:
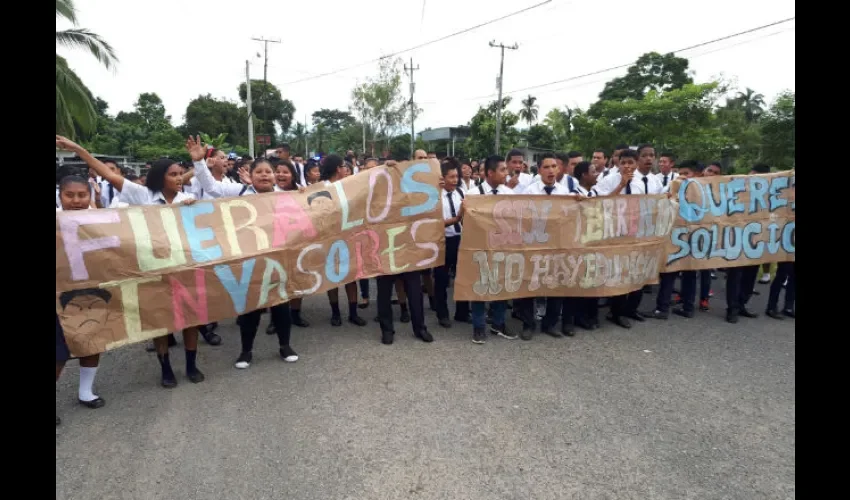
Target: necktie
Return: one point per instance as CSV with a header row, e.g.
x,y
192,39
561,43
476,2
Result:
x,y
111,193
495,191
645,185
454,212
297,179
548,189
665,181
629,188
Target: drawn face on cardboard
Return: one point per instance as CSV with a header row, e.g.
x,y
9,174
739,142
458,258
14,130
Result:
x,y
84,317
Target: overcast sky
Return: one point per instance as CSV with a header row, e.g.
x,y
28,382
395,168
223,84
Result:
x,y
180,49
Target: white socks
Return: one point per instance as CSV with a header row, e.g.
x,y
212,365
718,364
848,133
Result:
x,y
86,383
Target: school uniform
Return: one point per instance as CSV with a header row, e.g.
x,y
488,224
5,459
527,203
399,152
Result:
x,y
497,307
569,182
281,316
108,193
586,312
524,181
784,270
689,291
557,308
626,306
666,179
740,282
58,203
465,186
451,202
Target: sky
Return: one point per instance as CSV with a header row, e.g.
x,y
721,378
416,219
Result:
x,y
181,49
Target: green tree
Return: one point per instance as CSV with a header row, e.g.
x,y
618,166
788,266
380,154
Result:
x,y
482,130
214,116
528,113
560,122
779,132
267,103
380,103
217,141
74,105
540,137
750,102
651,72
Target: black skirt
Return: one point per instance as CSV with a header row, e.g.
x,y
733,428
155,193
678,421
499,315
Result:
x,y
62,352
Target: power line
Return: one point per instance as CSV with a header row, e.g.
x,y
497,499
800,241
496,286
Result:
x,y
621,66
424,44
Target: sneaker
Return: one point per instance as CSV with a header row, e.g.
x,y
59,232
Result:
x,y
357,320
336,320
244,360
270,329
502,331
710,294
541,312
288,355
478,336
703,305
765,279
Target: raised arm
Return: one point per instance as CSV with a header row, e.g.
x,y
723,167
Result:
x,y
206,181
98,166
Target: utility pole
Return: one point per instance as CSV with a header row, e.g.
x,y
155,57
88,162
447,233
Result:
x,y
250,115
265,74
499,81
411,69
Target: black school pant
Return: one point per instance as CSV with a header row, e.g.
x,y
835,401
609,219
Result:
x,y
564,309
413,286
740,282
281,320
665,291
626,305
441,283
783,270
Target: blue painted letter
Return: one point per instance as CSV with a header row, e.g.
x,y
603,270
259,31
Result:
x,y
197,236
411,185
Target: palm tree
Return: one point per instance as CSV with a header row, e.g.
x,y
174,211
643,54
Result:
x,y
528,113
752,104
218,141
73,103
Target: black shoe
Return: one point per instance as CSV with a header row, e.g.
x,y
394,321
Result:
x,y
773,313
270,330
790,313
568,331
387,338
377,319
288,354
212,326
502,331
445,322
478,336
424,335
211,338
196,377
168,382
244,360
619,321
585,324
363,303
405,316
747,313
636,316
300,322
552,332
357,320
527,333
94,403
336,320
656,314
462,319
683,313
431,303
731,317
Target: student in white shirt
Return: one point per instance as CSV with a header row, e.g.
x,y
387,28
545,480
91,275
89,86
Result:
x,y
567,163
613,165
635,178
585,176
666,164
164,186
557,308
262,181
283,152
517,179
495,171
452,202
75,195
599,160
108,191
586,308
466,181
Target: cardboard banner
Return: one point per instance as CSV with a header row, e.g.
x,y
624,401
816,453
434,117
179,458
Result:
x,y
536,246
733,220
128,275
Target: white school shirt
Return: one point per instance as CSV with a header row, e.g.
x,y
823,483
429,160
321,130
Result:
x,y
607,185
105,199
608,171
59,208
538,188
457,199
463,186
524,181
136,194
670,177
569,182
196,189
214,188
485,188
117,203
584,192
58,203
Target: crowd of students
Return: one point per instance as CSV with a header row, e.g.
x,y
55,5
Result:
x,y
212,174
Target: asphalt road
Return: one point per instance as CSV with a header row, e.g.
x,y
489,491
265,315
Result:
x,y
682,409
